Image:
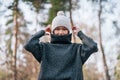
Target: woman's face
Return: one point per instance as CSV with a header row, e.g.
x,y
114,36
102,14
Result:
x,y
60,30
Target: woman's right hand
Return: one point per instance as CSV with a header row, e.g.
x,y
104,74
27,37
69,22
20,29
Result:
x,y
47,30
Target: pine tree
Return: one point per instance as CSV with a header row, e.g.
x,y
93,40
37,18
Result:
x,y
57,5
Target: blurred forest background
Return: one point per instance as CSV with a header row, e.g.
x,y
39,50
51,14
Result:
x,y
19,19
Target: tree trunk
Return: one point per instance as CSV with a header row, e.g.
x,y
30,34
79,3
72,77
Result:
x,y
37,22
101,46
72,25
15,37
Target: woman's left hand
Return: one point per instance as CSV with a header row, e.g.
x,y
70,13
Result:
x,y
75,30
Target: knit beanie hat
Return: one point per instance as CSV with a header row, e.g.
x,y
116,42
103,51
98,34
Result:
x,y
61,20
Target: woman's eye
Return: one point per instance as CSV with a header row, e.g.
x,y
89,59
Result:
x,y
57,29
64,29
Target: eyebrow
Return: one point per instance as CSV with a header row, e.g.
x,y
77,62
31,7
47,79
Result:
x,y
61,27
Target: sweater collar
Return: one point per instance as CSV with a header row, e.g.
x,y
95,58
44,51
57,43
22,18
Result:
x,y
64,39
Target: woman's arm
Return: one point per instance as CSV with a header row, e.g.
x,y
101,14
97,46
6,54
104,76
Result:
x,y
88,46
33,45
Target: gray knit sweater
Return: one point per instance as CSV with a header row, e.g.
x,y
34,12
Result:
x,y
61,59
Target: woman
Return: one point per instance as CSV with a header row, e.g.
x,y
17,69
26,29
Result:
x,y
60,59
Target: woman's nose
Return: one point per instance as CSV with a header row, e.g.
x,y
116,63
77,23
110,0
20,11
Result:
x,y
61,32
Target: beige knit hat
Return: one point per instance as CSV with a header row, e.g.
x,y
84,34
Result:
x,y
61,20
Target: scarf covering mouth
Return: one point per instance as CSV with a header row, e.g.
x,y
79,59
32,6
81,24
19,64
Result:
x,y
63,39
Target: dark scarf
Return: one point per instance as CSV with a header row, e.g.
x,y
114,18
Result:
x,y
64,39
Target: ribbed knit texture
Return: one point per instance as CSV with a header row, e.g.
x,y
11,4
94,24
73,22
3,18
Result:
x,y
61,20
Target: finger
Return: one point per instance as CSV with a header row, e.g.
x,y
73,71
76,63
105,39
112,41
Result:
x,y
47,33
74,28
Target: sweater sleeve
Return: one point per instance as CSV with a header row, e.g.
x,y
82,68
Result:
x,y
88,46
33,45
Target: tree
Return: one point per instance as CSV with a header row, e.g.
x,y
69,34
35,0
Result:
x,y
72,24
15,19
117,68
100,41
57,5
36,6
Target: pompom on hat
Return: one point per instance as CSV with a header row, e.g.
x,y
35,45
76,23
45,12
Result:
x,y
61,20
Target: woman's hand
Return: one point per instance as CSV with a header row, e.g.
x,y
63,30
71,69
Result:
x,y
75,30
47,30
